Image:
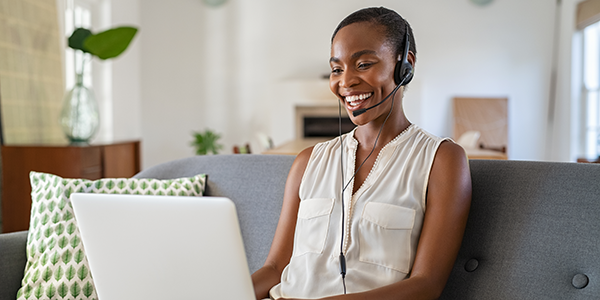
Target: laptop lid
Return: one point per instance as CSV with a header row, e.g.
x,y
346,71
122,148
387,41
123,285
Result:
x,y
163,247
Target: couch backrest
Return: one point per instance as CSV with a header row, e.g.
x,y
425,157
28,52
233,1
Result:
x,y
254,183
533,230
533,233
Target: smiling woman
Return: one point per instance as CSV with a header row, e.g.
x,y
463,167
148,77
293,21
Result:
x,y
365,215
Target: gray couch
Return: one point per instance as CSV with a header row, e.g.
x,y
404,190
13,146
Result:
x,y
533,231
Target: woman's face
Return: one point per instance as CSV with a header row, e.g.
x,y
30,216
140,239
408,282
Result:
x,y
362,66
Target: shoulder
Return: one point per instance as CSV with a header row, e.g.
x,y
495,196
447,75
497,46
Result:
x,y
450,171
301,161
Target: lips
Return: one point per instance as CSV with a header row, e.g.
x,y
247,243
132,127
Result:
x,y
356,100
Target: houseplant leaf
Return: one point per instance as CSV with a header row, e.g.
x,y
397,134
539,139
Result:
x,y
78,37
110,43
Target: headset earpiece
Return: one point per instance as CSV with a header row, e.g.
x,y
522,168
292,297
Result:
x,y
403,72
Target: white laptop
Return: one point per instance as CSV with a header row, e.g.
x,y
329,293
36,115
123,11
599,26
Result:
x,y
163,247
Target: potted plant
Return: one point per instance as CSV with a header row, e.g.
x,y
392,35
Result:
x,y
79,117
206,142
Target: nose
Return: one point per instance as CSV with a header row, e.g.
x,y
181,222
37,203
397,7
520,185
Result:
x,y
348,79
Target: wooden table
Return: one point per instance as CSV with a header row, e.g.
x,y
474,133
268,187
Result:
x,y
296,146
90,162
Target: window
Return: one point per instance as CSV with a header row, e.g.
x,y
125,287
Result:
x,y
77,14
590,89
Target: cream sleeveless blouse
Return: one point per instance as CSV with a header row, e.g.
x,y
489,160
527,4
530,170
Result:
x,y
383,219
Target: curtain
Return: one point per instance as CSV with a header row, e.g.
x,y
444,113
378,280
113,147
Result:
x,y
31,72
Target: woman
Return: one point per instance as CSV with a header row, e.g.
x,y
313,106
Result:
x,y
404,193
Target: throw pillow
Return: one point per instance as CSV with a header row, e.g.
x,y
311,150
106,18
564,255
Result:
x,y
57,267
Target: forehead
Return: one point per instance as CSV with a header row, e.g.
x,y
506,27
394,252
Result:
x,y
358,37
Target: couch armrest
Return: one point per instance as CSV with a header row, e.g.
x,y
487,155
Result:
x,y
13,257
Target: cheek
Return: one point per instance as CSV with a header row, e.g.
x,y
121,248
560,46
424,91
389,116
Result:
x,y
333,84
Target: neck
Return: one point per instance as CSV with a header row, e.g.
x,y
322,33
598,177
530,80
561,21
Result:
x,y
396,124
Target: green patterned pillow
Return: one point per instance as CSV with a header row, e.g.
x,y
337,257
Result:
x,y
57,267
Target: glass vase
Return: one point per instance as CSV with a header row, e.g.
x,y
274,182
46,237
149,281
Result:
x,y
79,117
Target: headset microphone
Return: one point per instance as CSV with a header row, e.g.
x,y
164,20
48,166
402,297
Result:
x,y
361,111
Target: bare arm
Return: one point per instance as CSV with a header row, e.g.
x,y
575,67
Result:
x,y
283,242
448,203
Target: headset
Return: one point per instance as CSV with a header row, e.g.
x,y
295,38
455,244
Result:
x,y
403,74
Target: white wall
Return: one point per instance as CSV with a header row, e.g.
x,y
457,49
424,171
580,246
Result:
x,y
240,68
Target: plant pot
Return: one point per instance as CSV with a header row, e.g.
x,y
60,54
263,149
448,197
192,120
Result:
x,y
79,117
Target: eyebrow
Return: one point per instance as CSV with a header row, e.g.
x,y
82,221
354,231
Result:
x,y
354,55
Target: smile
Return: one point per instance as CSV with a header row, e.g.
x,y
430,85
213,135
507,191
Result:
x,y
355,100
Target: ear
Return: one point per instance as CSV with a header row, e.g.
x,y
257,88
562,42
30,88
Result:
x,y
412,59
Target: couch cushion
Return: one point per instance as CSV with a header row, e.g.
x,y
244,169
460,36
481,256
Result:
x,y
57,267
533,233
12,263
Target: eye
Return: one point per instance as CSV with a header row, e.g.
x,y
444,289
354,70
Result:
x,y
364,65
336,71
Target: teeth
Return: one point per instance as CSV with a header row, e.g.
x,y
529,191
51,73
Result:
x,y
354,98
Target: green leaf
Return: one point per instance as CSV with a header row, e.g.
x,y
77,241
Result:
x,y
121,184
47,274
28,290
62,290
79,255
50,291
58,273
75,289
39,291
51,206
58,193
49,195
60,228
41,208
75,241
110,184
88,289
63,241
44,259
133,185
56,218
48,231
45,219
66,257
99,184
110,43
62,203
42,247
55,258
35,276
71,228
70,272
66,217
68,192
82,272
144,185
51,243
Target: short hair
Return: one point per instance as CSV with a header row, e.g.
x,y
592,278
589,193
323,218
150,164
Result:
x,y
394,26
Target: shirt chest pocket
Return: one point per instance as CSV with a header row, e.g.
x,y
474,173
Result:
x,y
312,225
385,235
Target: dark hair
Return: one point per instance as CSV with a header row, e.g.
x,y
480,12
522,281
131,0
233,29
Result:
x,y
394,25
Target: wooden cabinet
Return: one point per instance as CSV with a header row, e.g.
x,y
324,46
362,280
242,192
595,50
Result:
x,y
90,162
